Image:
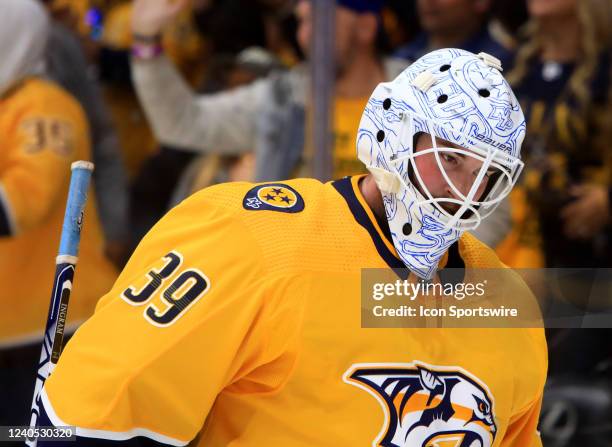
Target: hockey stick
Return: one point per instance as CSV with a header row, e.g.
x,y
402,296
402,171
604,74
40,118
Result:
x,y
65,264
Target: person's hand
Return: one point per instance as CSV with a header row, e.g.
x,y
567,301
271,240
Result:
x,y
588,213
149,17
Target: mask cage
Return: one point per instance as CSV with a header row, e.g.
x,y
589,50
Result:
x,y
471,210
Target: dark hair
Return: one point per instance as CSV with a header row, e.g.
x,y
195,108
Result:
x,y
232,25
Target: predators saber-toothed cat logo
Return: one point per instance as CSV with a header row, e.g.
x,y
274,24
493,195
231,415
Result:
x,y
427,406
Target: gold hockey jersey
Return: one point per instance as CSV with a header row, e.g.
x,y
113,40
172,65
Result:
x,y
237,323
42,131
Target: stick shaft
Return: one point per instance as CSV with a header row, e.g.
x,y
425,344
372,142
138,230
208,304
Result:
x,y
62,284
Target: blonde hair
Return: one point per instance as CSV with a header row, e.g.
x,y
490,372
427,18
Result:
x,y
594,18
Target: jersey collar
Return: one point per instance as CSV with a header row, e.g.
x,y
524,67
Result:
x,y
378,229
348,187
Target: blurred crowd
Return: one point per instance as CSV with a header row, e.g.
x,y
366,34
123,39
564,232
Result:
x,y
168,99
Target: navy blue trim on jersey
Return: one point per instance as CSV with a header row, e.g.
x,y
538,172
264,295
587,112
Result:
x,y
5,227
345,187
81,441
454,270
139,441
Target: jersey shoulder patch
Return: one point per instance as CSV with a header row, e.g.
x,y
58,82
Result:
x,y
273,197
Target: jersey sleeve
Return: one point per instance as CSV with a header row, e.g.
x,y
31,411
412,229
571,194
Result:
x,y
192,314
42,144
529,385
522,430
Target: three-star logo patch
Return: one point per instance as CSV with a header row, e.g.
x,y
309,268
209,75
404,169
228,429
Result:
x,y
273,197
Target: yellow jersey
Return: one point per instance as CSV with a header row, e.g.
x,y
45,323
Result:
x,y
237,321
43,131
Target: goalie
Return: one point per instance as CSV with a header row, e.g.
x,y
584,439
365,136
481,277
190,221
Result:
x,y
237,320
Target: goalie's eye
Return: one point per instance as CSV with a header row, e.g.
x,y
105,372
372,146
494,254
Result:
x,y
488,174
450,159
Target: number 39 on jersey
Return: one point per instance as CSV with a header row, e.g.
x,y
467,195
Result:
x,y
168,290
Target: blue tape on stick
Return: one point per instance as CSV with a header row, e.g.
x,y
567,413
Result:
x,y
73,219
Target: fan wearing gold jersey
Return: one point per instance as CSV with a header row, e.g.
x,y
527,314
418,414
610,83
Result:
x,y
42,131
238,319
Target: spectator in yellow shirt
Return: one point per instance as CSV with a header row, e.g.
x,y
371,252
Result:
x,y
43,131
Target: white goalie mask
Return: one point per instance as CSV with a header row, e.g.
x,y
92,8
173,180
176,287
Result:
x,y
458,97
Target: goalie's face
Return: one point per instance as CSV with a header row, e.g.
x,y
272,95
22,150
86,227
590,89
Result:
x,y
435,158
